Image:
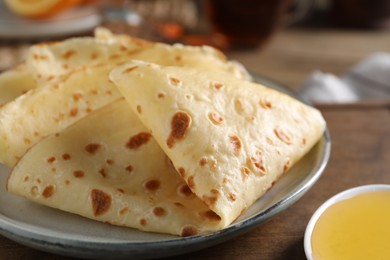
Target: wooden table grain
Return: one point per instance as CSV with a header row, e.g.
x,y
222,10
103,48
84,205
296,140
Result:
x,y
359,132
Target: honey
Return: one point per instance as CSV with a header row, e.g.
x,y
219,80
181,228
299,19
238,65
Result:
x,y
354,228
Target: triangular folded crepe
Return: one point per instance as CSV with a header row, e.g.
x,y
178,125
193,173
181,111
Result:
x,y
109,168
229,139
51,107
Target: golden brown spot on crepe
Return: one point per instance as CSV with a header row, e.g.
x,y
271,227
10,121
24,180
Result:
x,y
258,162
27,141
36,133
178,204
188,231
38,180
74,111
177,58
78,174
101,202
48,191
60,117
250,118
103,172
239,107
143,222
94,55
114,56
211,216
203,161
269,141
92,148
67,55
139,109
232,197
304,141
53,169
245,171
124,210
93,91
138,140
185,191
109,92
182,172
151,199
120,190
123,48
26,178
65,66
174,81
214,191
50,77
286,166
180,123
213,164
66,156
51,159
40,57
216,118
67,182
209,200
237,145
159,212
152,185
110,161
34,191
217,85
191,182
160,95
129,168
128,70
283,136
265,103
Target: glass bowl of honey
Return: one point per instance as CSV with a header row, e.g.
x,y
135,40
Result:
x,y
354,224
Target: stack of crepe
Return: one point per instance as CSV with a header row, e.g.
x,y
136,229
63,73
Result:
x,y
163,138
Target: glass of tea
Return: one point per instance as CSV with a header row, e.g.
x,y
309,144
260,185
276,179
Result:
x,y
247,23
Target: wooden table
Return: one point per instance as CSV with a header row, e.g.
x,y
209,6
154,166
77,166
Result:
x,y
360,140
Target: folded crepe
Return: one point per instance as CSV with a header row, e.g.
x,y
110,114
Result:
x,y
229,139
108,167
192,148
72,78
188,153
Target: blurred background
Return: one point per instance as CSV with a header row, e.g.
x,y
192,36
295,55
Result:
x,y
238,27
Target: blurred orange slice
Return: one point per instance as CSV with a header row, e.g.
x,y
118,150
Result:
x,y
40,8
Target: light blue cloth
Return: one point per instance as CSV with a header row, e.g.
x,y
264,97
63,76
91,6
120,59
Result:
x,y
368,80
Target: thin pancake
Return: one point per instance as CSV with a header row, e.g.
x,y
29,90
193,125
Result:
x,y
229,139
108,167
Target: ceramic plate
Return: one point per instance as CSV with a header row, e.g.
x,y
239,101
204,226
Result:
x,y
63,233
74,21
